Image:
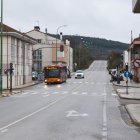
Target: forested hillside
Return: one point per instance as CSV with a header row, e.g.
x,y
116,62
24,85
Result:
x,y
87,49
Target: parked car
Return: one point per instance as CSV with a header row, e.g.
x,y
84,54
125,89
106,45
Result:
x,y
79,74
115,76
34,75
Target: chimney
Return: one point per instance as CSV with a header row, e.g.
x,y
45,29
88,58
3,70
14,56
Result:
x,y
46,30
36,28
61,36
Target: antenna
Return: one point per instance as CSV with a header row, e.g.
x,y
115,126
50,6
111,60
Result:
x,y
37,21
131,36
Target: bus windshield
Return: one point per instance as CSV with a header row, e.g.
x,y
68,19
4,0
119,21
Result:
x,y
52,73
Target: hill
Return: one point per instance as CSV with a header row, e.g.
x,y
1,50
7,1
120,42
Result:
x,y
100,48
93,48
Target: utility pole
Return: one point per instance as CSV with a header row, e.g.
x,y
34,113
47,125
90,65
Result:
x,y
1,47
56,39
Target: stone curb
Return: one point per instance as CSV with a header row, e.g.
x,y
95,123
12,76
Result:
x,y
129,98
124,85
135,118
6,93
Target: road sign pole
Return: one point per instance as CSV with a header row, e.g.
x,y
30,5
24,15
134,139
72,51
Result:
x,y
10,81
127,86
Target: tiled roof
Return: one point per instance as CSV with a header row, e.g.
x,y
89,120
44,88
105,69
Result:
x,y
7,28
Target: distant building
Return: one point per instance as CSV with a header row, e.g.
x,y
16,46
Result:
x,y
17,49
47,50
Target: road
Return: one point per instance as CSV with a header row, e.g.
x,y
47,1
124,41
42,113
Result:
x,y
80,109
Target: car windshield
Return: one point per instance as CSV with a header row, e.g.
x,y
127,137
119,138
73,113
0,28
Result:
x,y
79,71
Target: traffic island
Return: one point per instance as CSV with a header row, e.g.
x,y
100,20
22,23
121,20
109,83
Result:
x,y
132,94
134,112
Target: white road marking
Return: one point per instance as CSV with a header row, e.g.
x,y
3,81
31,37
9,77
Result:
x,y
25,93
74,113
65,92
34,93
114,94
55,92
33,113
104,94
5,130
104,130
46,95
84,93
74,93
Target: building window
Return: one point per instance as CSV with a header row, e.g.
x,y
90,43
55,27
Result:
x,y
39,40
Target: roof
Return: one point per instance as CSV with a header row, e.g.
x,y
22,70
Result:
x,y
13,32
134,42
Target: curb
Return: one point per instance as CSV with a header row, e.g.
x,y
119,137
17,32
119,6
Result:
x,y
132,116
124,85
7,94
129,98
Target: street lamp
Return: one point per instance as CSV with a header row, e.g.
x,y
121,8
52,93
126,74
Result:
x,y
56,39
1,48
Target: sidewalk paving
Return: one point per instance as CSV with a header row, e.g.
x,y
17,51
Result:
x,y
18,89
132,92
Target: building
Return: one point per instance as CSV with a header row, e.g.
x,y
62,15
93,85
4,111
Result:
x,y
134,58
17,49
47,50
136,6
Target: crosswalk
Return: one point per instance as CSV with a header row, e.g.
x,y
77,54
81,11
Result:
x,y
47,93
89,83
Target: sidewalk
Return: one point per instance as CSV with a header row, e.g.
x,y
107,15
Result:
x,y
18,89
132,92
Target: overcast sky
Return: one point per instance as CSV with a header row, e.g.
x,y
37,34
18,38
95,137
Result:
x,y
109,19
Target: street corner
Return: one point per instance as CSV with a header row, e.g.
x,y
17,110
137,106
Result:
x,y
5,94
134,113
131,94
8,93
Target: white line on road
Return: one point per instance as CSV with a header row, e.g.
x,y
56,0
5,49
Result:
x,y
34,93
104,130
30,115
46,95
74,93
5,130
55,92
84,93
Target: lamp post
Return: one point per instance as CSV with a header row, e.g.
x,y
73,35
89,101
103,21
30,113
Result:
x,y
56,39
1,48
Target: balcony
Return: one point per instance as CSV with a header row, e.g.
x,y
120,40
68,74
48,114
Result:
x,y
136,6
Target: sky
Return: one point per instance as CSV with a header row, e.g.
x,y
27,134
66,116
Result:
x,y
109,19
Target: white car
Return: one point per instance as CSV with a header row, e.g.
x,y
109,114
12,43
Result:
x,y
79,74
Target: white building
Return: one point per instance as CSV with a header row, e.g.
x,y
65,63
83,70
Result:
x,y
17,49
44,52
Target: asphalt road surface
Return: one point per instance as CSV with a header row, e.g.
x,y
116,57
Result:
x,y
80,109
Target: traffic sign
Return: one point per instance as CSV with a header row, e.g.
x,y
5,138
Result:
x,y
127,74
